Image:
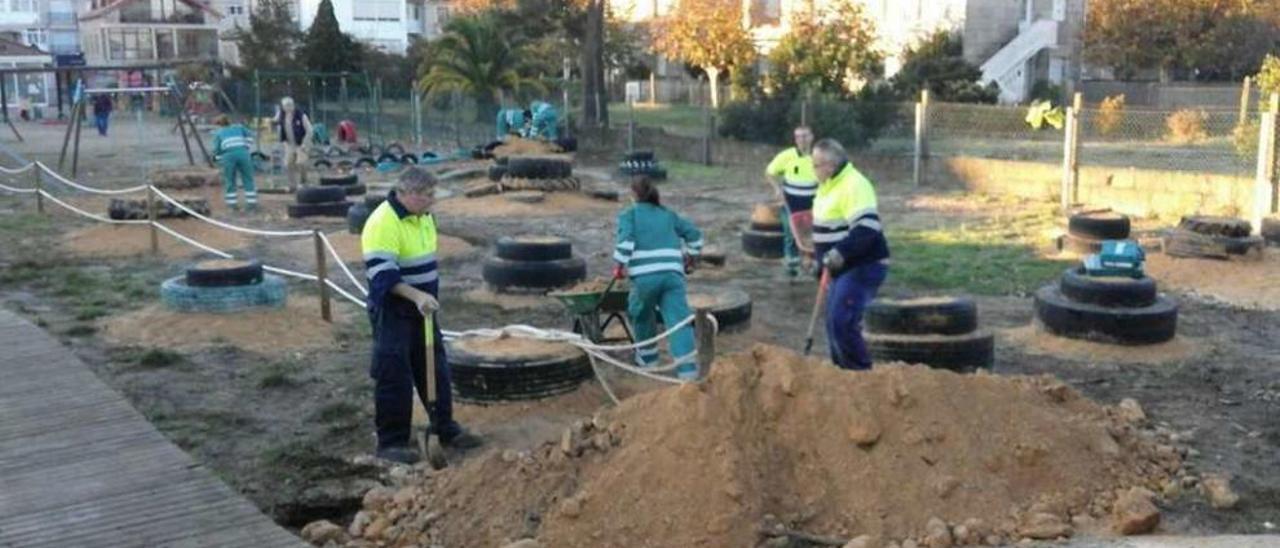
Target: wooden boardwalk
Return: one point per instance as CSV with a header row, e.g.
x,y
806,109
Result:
x,y
80,467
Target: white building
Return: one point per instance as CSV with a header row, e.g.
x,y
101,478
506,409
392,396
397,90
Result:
x,y
49,25
1016,42
389,25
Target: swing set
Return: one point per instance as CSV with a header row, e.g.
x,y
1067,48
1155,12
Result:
x,y
177,101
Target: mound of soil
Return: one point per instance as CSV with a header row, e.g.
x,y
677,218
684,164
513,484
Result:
x,y
1246,284
1034,340
556,203
516,146
108,241
773,438
297,326
510,301
596,285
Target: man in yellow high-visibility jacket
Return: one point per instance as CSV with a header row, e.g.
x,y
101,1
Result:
x,y
849,237
792,178
399,244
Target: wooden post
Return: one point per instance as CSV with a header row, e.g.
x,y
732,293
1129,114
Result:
x,y
1264,194
631,127
66,138
35,173
706,336
322,274
917,164
75,150
653,88
804,112
1077,105
417,117
924,131
151,216
708,126
1245,92
1070,165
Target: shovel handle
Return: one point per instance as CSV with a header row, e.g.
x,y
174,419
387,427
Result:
x,y
428,332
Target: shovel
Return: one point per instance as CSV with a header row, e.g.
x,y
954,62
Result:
x,y
429,443
817,309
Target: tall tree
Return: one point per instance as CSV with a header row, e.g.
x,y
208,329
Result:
x,y
271,40
708,34
326,48
474,57
937,64
828,50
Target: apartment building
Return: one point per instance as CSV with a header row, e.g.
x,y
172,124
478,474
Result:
x,y
388,25
125,32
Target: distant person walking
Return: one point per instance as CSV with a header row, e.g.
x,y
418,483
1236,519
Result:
x,y
102,107
231,144
295,130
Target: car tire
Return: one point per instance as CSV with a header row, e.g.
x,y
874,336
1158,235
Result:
x,y
1216,226
354,190
538,168
931,316
372,201
1109,291
388,157
409,159
1061,316
394,148
177,295
960,353
533,248
224,273
320,194
366,162
1099,226
332,209
483,376
1187,244
497,172
322,164
1271,230
339,180
730,306
356,217
762,245
505,274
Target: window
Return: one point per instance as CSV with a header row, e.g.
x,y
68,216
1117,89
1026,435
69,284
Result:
x,y
235,10
36,37
379,10
21,5
130,44
442,14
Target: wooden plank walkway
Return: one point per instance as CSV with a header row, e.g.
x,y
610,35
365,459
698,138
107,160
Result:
x,y
80,467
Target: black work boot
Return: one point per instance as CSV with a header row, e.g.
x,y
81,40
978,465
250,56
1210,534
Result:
x,y
461,438
398,454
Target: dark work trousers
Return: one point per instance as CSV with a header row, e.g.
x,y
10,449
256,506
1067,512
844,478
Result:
x,y
848,297
399,365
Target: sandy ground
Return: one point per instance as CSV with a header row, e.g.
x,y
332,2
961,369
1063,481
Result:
x,y
296,326
1243,283
1036,341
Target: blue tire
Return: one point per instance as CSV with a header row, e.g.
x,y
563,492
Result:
x,y
271,292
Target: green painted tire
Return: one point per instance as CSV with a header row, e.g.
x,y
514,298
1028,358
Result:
x,y
271,292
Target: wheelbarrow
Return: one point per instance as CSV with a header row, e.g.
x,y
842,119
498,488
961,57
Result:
x,y
594,311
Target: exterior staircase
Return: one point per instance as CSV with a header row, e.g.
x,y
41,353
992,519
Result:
x,y
1008,67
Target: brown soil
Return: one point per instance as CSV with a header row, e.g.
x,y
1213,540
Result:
x,y
220,264
516,146
508,301
765,214
702,300
1248,284
919,301
1034,340
556,203
348,247
102,240
297,326
819,449
512,346
597,285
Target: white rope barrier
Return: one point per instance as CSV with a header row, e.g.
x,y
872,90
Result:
x,y
343,265
603,384
290,273
93,216
192,241
88,189
18,171
354,300
229,226
18,190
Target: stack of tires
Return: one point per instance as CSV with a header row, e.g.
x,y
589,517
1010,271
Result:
x,y
1213,238
642,162
350,183
1109,309
319,201
530,167
533,263
223,285
1087,231
359,213
486,372
119,209
763,238
1271,230
940,332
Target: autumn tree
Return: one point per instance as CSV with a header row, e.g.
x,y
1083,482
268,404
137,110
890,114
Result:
x,y
708,34
937,64
827,50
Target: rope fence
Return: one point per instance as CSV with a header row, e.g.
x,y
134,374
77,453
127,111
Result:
x,y
595,352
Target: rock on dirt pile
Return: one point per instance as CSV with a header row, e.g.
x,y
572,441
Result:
x,y
774,440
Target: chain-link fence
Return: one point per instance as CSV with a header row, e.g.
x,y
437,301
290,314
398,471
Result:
x,y
1194,140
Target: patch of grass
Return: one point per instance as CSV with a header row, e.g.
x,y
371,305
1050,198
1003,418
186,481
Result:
x,y
189,429
156,358
81,330
689,171
27,223
90,313
339,412
677,119
279,374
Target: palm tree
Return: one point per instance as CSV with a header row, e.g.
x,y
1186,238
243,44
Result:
x,y
474,57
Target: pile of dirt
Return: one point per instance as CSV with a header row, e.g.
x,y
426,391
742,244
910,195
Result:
x,y
186,177
516,146
297,326
107,241
510,301
1036,341
555,203
1246,283
596,285
778,441
509,346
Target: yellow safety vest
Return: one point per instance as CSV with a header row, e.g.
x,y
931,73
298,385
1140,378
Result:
x,y
399,247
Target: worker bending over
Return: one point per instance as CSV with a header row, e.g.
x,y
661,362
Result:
x,y
655,247
848,235
543,122
792,178
513,121
231,144
399,244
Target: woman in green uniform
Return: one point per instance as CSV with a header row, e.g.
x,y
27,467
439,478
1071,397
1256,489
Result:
x,y
654,245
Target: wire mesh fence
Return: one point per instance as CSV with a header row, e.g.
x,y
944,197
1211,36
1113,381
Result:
x,y
1194,140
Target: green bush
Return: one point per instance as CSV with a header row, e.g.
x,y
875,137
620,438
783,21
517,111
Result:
x,y
764,121
855,123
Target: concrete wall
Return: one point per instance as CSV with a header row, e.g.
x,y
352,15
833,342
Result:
x,y
989,25
1138,192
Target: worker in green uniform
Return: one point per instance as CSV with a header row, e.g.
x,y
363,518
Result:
x,y
231,146
655,247
792,178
